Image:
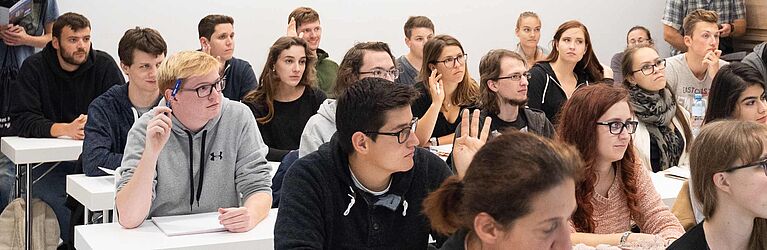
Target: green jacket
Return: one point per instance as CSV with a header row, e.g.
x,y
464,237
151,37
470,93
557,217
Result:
x,y
326,72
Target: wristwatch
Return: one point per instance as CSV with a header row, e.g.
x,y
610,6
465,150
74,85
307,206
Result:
x,y
433,141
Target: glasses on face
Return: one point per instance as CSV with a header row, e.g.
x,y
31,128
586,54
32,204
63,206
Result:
x,y
649,69
761,163
517,77
617,127
380,73
401,135
640,41
453,61
207,89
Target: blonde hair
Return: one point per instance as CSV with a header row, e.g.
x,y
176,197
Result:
x,y
720,145
697,16
183,65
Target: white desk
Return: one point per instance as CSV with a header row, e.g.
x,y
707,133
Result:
x,y
148,236
667,187
25,151
95,193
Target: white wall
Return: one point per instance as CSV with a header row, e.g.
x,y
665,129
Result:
x,y
480,25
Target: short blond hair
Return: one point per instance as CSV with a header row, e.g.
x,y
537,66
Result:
x,y
183,65
697,16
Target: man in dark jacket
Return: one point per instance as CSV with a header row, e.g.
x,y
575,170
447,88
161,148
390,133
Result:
x,y
364,188
112,114
217,39
54,89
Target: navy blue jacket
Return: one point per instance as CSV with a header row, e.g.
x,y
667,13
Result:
x,y
240,79
110,117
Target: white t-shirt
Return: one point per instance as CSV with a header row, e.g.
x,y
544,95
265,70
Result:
x,y
684,84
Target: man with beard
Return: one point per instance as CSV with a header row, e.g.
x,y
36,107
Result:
x,y
51,98
503,94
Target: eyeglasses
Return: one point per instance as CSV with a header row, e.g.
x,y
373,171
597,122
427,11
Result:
x,y
649,69
401,135
616,127
452,61
207,89
517,77
761,163
380,73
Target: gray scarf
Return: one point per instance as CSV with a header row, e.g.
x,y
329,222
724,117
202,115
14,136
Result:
x,y
657,110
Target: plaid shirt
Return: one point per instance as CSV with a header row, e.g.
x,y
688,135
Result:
x,y
728,10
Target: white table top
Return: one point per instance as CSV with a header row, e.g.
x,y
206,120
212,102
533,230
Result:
x,y
668,188
95,193
35,150
148,236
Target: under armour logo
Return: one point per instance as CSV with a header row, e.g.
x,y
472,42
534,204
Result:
x,y
220,156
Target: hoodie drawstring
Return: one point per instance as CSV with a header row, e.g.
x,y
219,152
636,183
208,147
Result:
x,y
191,169
351,203
404,207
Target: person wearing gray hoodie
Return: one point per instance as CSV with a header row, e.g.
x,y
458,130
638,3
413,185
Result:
x,y
758,59
368,59
163,170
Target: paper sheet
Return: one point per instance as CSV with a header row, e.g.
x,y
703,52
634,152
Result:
x,y
189,224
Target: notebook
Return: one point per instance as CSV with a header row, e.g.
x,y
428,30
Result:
x,y
189,224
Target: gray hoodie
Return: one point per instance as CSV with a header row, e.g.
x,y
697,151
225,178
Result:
x,y
319,129
757,60
192,179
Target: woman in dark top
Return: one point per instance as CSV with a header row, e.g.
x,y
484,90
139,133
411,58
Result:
x,y
570,64
445,87
663,136
509,196
728,170
287,97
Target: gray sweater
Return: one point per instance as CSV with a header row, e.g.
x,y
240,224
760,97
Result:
x,y
233,163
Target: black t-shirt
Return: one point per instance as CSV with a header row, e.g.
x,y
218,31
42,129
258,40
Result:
x,y
498,126
443,127
283,132
695,239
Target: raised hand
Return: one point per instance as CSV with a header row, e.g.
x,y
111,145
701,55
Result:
x,y
471,140
158,130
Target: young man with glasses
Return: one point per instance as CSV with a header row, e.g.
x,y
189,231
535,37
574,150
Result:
x,y
304,22
368,59
364,189
692,72
194,153
217,39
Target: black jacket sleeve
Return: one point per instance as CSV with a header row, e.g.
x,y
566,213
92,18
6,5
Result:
x,y
536,87
26,108
299,222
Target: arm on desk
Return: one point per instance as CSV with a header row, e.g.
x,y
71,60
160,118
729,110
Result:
x,y
243,219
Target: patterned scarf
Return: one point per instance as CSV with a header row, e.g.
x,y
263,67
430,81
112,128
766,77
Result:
x,y
656,111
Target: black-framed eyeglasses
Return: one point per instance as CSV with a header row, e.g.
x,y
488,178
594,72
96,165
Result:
x,y
517,77
380,73
617,127
206,89
401,135
649,69
452,61
760,163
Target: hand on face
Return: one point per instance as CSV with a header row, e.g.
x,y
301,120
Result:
x,y
711,61
436,88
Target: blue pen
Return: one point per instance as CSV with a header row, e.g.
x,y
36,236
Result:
x,y
173,94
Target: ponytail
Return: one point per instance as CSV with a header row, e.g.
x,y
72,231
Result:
x,y
442,206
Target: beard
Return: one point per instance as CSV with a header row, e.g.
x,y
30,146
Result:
x,y
69,57
515,102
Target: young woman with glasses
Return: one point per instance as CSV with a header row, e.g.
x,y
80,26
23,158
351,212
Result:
x,y
287,97
728,166
616,193
663,136
737,92
571,64
445,87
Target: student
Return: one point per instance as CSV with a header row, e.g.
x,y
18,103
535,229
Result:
x,y
616,191
287,97
364,189
571,64
368,59
637,35
511,196
729,176
304,22
216,34
528,32
732,23
663,134
691,73
737,92
758,60
51,97
112,114
418,30
503,95
445,87
194,129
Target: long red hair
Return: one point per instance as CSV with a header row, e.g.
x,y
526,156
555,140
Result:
x,y
577,126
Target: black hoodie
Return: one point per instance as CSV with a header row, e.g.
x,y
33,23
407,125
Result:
x,y
46,94
544,91
321,208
